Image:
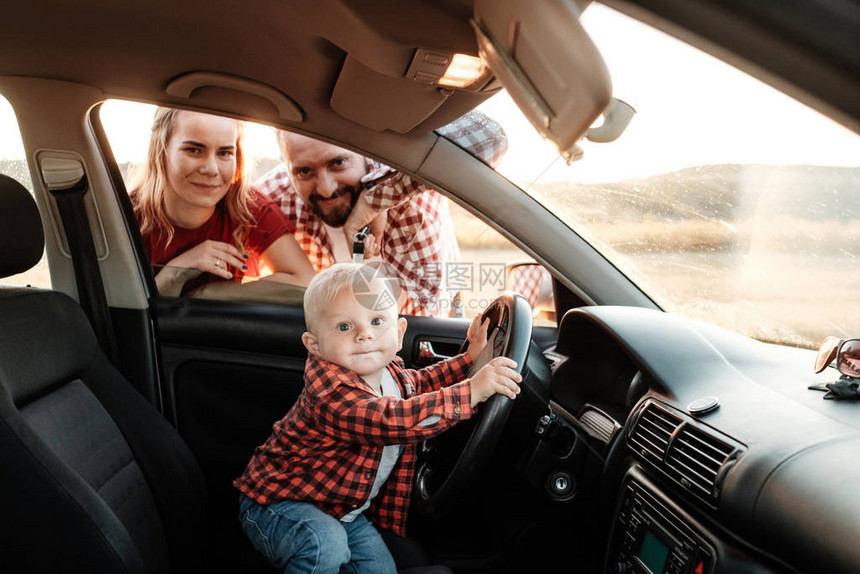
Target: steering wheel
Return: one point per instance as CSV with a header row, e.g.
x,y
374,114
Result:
x,y
509,335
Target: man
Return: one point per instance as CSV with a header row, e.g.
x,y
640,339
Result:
x,y
328,193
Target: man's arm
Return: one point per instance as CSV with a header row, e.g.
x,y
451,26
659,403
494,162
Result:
x,y
478,134
385,187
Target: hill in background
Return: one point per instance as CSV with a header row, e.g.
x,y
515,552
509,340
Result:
x,y
728,192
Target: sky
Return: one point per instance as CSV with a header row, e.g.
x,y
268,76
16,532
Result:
x,y
678,95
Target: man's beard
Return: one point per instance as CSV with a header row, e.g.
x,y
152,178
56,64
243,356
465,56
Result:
x,y
338,216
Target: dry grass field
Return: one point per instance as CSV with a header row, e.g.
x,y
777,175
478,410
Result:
x,y
768,251
736,247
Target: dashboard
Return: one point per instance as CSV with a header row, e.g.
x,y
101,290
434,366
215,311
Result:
x,y
717,455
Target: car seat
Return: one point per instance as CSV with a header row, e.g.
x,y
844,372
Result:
x,y
92,477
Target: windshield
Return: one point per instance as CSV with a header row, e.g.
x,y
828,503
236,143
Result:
x,y
723,200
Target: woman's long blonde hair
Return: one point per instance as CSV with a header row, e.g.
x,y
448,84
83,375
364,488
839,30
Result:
x,y
147,191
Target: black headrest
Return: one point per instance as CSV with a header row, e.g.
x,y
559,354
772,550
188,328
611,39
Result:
x,y
22,240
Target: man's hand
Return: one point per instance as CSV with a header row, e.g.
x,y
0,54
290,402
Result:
x,y
497,376
363,214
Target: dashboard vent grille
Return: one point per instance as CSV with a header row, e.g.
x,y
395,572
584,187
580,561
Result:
x,y
695,459
653,429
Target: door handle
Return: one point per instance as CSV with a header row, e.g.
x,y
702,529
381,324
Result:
x,y
428,354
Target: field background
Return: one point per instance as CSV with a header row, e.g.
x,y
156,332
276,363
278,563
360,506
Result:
x,y
740,246
754,248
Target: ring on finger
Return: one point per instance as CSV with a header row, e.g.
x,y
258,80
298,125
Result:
x,y
217,262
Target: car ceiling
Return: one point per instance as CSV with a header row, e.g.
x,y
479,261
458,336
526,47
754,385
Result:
x,y
134,50
300,48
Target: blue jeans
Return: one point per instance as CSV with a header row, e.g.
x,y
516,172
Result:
x,y
301,538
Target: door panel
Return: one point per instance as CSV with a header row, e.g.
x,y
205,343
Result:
x,y
228,372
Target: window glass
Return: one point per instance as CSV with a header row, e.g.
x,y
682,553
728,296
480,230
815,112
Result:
x,y
482,274
450,284
723,200
13,163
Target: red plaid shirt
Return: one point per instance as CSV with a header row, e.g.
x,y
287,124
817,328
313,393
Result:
x,y
419,239
527,282
327,449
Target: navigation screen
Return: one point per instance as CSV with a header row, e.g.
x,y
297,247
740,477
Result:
x,y
653,553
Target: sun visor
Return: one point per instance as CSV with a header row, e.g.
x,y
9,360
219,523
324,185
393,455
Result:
x,y
543,57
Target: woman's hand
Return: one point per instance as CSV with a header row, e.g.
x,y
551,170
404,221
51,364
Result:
x,y
206,257
212,257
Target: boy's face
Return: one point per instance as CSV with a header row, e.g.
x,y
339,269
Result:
x,y
353,336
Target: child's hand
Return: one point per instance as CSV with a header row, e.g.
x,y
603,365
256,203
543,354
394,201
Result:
x,y
477,336
497,376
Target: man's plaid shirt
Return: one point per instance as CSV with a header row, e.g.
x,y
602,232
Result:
x,y
419,237
327,449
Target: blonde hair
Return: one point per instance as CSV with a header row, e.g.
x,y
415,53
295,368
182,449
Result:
x,y
147,191
326,285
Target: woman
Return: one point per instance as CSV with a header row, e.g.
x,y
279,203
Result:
x,y
200,220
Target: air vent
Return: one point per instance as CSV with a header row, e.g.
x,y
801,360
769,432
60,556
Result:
x,y
695,459
652,431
